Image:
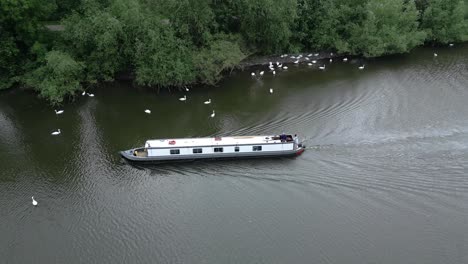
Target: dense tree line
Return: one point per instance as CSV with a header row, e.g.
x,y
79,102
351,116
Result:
x,y
180,42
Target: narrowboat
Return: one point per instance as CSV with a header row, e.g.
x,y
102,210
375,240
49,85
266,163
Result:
x,y
188,149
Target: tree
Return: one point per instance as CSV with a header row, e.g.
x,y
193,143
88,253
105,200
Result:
x,y
267,24
95,38
444,21
57,78
162,59
222,54
390,27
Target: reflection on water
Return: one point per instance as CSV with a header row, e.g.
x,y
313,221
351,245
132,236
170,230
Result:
x,y
383,181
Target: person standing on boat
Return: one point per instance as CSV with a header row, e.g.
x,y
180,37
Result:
x,y
296,140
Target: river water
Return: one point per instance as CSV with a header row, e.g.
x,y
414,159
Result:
x,y
385,178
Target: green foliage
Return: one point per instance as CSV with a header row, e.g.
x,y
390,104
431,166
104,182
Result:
x,y
57,78
8,54
180,42
95,38
162,59
266,24
389,27
20,29
221,55
444,21
315,25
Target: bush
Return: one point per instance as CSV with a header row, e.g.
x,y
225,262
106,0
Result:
x,y
59,77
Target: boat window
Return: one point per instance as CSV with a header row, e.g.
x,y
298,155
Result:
x,y
257,148
198,150
175,151
236,149
218,149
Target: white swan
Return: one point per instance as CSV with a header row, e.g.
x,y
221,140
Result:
x,y
331,60
345,59
83,93
253,74
322,67
451,45
148,111
271,90
285,67
274,72
296,62
208,102
212,114
361,67
314,61
261,73
183,98
435,55
34,202
55,133
59,112
310,64
187,89
91,95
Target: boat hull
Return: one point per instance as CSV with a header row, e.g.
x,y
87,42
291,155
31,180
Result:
x,y
128,155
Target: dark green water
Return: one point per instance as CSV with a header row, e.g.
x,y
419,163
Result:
x,y
386,179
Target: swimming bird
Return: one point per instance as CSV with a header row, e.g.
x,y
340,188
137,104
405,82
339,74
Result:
x,y
316,54
212,114
252,74
187,89
274,73
314,61
90,95
208,102
83,93
59,112
148,111
296,62
271,90
345,59
361,67
34,202
435,55
451,45
310,64
331,60
261,73
285,67
322,67
183,98
55,133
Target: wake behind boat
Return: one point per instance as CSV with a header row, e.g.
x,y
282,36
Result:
x,y
181,149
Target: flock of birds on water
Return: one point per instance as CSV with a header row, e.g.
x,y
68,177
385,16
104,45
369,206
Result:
x,y
272,67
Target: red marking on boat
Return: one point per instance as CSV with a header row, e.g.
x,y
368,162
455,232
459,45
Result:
x,y
172,142
299,152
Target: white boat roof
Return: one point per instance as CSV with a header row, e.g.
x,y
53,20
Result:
x,y
211,141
